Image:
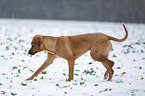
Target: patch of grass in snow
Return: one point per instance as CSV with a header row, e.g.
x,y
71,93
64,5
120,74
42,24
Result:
x,y
75,83
90,72
3,92
57,85
119,81
42,77
21,41
123,73
25,68
31,70
131,48
12,93
142,77
7,48
96,85
114,55
77,70
63,86
90,63
140,67
3,74
65,92
64,74
35,80
2,43
14,68
82,83
44,72
118,67
76,74
105,90
23,84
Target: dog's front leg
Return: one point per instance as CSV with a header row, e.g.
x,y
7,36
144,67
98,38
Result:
x,y
71,68
48,61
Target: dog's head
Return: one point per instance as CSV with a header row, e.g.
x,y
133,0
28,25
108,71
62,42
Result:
x,y
36,45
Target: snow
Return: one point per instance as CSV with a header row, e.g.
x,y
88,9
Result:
x,y
16,65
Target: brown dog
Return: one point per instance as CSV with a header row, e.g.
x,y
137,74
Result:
x,y
72,47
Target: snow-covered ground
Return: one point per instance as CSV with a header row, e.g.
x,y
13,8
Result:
x,y
16,65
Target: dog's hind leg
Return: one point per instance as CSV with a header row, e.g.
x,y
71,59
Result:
x,y
99,52
108,64
48,61
110,72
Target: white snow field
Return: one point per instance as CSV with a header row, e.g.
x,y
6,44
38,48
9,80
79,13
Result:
x,y
16,65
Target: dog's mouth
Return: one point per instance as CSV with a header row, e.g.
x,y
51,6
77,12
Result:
x,y
32,53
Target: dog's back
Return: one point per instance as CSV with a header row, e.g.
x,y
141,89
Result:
x,y
82,43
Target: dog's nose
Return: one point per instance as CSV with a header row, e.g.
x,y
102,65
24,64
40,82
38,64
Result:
x,y
29,52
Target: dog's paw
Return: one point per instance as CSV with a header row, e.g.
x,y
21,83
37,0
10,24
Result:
x,y
106,76
69,79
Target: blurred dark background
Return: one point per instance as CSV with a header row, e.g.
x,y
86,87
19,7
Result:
x,y
132,11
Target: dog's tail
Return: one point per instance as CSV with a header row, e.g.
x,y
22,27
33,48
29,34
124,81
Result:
x,y
119,40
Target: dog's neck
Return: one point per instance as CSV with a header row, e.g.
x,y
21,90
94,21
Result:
x,y
49,44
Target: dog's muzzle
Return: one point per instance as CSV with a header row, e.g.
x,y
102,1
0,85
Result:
x,y
31,53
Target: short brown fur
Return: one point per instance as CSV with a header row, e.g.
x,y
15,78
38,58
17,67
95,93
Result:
x,y
72,47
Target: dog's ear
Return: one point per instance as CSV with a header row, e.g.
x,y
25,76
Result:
x,y
38,41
